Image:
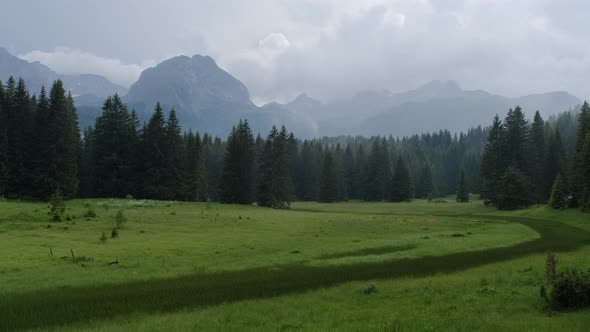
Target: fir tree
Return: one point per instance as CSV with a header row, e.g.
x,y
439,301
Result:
x,y
3,144
581,162
559,194
401,185
424,185
463,191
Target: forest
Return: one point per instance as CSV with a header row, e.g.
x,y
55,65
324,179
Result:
x,y
512,163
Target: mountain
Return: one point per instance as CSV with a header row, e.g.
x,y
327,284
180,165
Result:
x,y
37,75
207,98
457,110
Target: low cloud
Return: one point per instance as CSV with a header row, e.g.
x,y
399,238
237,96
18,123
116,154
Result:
x,y
70,61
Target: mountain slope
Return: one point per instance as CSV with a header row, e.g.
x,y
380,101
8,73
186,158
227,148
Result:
x,y
207,98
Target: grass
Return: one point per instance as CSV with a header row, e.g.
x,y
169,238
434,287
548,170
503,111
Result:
x,y
256,256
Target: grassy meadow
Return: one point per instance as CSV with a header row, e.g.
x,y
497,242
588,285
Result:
x,y
353,266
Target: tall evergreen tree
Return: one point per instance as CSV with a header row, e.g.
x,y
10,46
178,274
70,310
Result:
x,y
154,156
462,191
555,161
174,155
493,160
3,144
559,194
401,185
511,190
581,164
424,186
537,159
114,144
237,182
63,149
378,172
275,188
328,180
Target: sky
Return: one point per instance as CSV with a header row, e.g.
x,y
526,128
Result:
x,y
328,49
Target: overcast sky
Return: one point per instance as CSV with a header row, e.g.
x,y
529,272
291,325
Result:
x,y
327,48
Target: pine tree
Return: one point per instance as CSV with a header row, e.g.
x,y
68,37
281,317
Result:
x,y
559,194
328,180
401,185
237,181
463,191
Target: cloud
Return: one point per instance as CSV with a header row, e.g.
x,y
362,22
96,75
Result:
x,y
68,61
327,48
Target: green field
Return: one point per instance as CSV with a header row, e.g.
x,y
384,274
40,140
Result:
x,y
349,266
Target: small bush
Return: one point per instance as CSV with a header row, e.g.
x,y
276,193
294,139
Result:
x,y
565,290
370,290
57,206
114,233
90,214
128,196
120,219
103,238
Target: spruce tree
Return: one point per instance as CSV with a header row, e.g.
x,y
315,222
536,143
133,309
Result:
x,y
555,161
174,155
114,142
581,164
559,194
511,190
154,156
237,181
328,180
378,172
63,149
3,144
348,172
424,184
493,161
537,159
401,185
275,187
463,191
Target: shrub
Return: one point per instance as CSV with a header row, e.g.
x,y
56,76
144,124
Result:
x,y
114,233
103,238
90,214
57,206
559,195
568,289
120,219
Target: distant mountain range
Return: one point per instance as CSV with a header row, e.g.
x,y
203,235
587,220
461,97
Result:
x,y
209,99
37,75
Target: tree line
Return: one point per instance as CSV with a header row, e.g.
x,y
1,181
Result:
x,y
529,163
511,163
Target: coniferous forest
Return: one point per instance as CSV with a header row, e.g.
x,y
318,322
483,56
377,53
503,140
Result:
x,y
513,163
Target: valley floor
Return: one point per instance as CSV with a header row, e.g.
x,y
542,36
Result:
x,y
348,266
